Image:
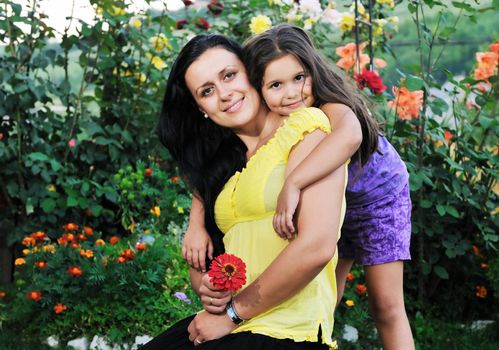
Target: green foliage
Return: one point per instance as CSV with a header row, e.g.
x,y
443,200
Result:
x,y
129,282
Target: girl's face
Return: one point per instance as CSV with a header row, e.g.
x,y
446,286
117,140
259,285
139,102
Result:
x,y
286,86
219,84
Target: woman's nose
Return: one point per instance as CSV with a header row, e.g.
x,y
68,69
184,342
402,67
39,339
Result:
x,y
225,94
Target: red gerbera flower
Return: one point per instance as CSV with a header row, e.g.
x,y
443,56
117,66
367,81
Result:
x,y
227,272
202,23
215,7
371,80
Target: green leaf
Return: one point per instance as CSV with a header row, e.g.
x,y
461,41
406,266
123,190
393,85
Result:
x,y
38,156
29,206
413,82
452,211
440,210
446,32
441,272
425,203
56,166
48,205
72,202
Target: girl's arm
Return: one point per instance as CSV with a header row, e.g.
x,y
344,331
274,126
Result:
x,y
329,155
197,242
318,222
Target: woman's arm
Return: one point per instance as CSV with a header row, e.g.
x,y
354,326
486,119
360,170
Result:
x,y
329,155
318,221
197,242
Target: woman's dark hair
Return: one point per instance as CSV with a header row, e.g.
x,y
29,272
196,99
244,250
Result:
x,y
207,154
327,85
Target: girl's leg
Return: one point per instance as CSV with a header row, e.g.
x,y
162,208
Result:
x,y
342,270
386,302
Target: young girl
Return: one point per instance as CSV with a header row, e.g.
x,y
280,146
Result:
x,y
283,63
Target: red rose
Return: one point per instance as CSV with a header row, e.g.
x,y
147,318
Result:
x,y
215,7
227,272
370,80
202,23
181,23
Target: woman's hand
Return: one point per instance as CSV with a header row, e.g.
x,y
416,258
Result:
x,y
214,300
286,206
195,245
206,326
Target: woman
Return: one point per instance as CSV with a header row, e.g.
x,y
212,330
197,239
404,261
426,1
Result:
x,y
214,123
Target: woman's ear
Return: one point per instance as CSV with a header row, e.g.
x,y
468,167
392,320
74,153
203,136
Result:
x,y
204,113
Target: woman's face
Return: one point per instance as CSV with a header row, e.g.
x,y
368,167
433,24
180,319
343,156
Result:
x,y
219,84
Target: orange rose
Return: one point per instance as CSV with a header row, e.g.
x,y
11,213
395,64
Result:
x,y
34,295
406,103
75,271
58,308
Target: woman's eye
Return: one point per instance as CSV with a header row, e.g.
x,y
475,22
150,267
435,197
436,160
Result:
x,y
229,75
275,85
300,77
206,92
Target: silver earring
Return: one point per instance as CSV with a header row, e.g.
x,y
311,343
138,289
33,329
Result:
x,y
205,115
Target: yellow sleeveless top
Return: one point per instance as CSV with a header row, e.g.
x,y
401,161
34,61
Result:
x,y
244,211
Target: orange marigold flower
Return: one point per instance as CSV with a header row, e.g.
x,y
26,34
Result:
x,y
406,103
100,242
350,277
82,237
350,303
39,235
484,266
360,289
34,295
41,264
175,179
227,272
475,250
75,271
70,227
26,251
141,246
58,308
2,294
75,245
148,172
88,230
121,259
127,254
19,261
87,253
114,239
481,292
27,241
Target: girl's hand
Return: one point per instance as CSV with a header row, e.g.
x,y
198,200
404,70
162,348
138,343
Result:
x,y
214,300
206,326
195,245
286,206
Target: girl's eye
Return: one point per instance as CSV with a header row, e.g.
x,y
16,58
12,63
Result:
x,y
229,75
300,77
206,92
275,85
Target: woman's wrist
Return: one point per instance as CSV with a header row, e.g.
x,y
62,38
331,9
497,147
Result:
x,y
234,316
